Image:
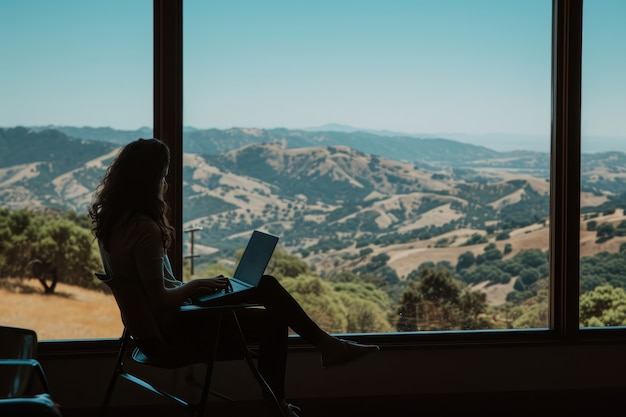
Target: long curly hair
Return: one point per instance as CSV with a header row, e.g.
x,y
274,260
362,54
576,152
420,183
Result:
x,y
133,184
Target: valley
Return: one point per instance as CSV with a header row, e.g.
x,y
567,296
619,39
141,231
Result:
x,y
333,204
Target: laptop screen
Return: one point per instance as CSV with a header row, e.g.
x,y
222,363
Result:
x,y
255,257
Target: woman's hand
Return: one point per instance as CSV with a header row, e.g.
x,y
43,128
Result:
x,y
215,284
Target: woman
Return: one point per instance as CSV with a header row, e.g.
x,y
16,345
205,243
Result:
x,y
130,220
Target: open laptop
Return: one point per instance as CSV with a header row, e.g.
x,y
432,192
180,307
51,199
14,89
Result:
x,y
250,269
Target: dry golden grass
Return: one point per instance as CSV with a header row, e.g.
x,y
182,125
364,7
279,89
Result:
x,y
77,313
496,294
70,313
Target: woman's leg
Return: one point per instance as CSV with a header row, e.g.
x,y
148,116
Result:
x,y
281,305
271,294
190,333
271,333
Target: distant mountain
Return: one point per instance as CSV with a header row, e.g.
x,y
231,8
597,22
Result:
x,y
47,168
337,127
21,145
400,148
501,142
216,141
350,174
315,194
338,191
101,134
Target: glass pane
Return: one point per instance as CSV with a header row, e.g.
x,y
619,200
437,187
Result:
x,y
603,182
399,149
77,83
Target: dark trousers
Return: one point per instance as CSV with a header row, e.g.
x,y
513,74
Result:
x,y
268,326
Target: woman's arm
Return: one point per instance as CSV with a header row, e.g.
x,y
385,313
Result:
x,y
149,255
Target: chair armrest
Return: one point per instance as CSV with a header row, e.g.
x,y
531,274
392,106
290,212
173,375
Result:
x,y
40,405
31,364
193,309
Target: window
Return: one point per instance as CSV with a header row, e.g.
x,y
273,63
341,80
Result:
x,y
77,84
400,151
242,84
603,235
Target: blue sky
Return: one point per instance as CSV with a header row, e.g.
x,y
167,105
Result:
x,y
401,65
474,68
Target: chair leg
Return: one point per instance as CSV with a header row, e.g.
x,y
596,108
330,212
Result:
x,y
107,397
209,372
119,368
267,390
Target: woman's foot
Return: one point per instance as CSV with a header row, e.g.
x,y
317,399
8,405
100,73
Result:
x,y
338,351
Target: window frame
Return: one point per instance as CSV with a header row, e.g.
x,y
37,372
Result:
x,y
565,171
565,167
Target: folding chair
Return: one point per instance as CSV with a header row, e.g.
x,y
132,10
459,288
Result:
x,y
141,329
23,385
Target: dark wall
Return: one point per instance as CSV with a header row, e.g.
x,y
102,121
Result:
x,y
488,380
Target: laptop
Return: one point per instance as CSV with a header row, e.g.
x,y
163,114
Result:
x,y
250,269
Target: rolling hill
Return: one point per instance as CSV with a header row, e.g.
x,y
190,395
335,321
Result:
x,y
324,193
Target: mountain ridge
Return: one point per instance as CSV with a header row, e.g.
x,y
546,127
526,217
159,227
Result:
x,y
321,199
211,141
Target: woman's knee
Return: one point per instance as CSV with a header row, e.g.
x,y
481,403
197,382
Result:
x,y
269,281
269,287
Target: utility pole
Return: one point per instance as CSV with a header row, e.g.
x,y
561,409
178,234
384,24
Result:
x,y
192,256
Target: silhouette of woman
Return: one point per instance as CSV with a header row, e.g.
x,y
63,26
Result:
x,y
130,220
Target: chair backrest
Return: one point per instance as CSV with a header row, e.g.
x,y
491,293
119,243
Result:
x,y
137,316
16,343
141,324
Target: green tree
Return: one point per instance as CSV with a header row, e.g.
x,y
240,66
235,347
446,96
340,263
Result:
x,y
466,259
319,300
492,255
18,231
71,250
343,276
620,230
407,309
437,301
605,231
503,236
535,307
529,276
485,272
283,264
601,269
592,225
366,307
55,246
208,270
475,239
604,306
532,258
473,305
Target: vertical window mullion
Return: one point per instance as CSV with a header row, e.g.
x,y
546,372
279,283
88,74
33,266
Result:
x,y
168,113
565,167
